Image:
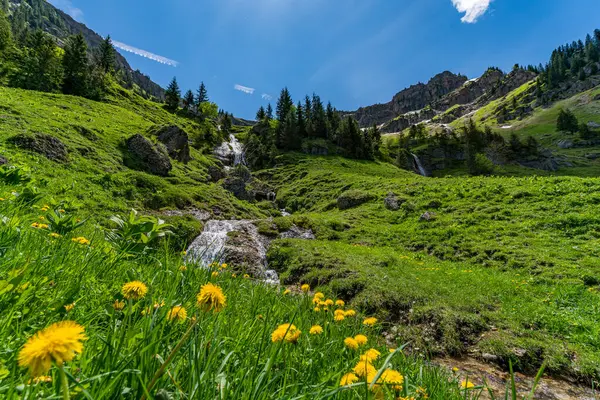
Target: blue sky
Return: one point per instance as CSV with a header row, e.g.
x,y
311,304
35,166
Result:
x,y
353,53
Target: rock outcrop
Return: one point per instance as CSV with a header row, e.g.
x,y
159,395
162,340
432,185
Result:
x,y
147,156
47,145
176,140
353,198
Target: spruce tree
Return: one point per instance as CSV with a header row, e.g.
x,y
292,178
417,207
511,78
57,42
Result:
x,y
300,121
39,65
5,34
291,140
172,95
201,95
75,66
318,118
269,112
567,121
284,104
105,56
188,101
261,114
5,6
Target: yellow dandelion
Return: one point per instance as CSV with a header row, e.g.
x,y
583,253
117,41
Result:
x,y
214,274
35,225
224,266
361,339
329,302
350,313
134,290
339,312
70,307
317,309
392,377
348,379
305,288
118,305
211,298
59,342
2,199
316,330
286,292
41,379
233,275
54,235
61,211
364,369
42,218
183,252
246,276
81,240
177,314
351,343
159,305
183,268
286,332
318,297
370,321
339,318
392,350
455,369
467,385
340,303
370,355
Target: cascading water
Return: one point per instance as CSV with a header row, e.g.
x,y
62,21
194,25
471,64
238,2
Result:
x,y
418,165
237,149
208,247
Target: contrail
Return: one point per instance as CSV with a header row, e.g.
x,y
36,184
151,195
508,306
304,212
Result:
x,y
144,53
244,89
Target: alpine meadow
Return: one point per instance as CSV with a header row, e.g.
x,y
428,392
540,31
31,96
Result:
x,y
153,245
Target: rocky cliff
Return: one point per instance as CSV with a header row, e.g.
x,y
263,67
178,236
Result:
x,y
43,15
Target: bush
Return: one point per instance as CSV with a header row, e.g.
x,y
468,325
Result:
x,y
353,198
481,166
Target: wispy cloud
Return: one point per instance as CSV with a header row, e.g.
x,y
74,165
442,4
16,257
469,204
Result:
x,y
68,7
473,9
266,96
245,89
146,54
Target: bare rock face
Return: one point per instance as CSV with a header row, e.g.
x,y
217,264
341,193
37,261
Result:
x,y
413,98
47,145
3,160
176,140
471,90
149,157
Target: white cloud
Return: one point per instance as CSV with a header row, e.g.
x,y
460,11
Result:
x,y
266,96
473,9
245,89
146,54
68,7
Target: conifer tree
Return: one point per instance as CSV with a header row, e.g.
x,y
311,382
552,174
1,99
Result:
x,y
4,6
567,121
291,140
284,104
318,118
269,112
261,114
188,101
75,66
39,65
5,34
201,95
301,121
105,56
172,95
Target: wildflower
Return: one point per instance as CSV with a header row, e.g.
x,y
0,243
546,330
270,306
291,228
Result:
x,y
340,303
233,275
392,377
35,225
134,290
318,297
350,313
2,199
223,266
183,253
370,355
348,379
41,379
287,332
370,321
177,314
316,330
214,274
317,309
329,302
183,268
455,369
361,339
467,385
59,342
61,211
42,218
351,343
364,369
392,350
211,298
421,391
260,316
286,292
70,307
305,288
159,305
246,276
118,305
339,312
339,318
81,240
54,235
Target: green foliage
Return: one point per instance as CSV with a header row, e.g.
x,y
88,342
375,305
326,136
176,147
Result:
x,y
188,101
63,223
567,121
105,56
482,165
135,235
172,95
76,67
14,175
5,35
201,95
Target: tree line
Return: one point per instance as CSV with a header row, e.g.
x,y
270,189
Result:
x,y
293,125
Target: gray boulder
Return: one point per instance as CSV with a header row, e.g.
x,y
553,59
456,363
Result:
x,y
47,145
352,198
3,160
237,186
215,173
147,156
427,216
392,202
176,140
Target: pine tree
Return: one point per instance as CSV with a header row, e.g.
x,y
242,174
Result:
x,y
301,121
188,101
172,95
226,122
375,135
5,6
261,114
105,56
597,37
291,140
76,66
284,104
567,121
5,34
39,65
269,112
201,95
318,118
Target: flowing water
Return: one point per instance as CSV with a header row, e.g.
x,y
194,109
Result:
x,y
419,165
231,153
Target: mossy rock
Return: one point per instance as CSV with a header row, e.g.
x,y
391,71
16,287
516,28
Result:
x,y
353,198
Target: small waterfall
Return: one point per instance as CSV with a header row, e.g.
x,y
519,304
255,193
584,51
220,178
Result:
x,y
418,166
208,247
237,149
